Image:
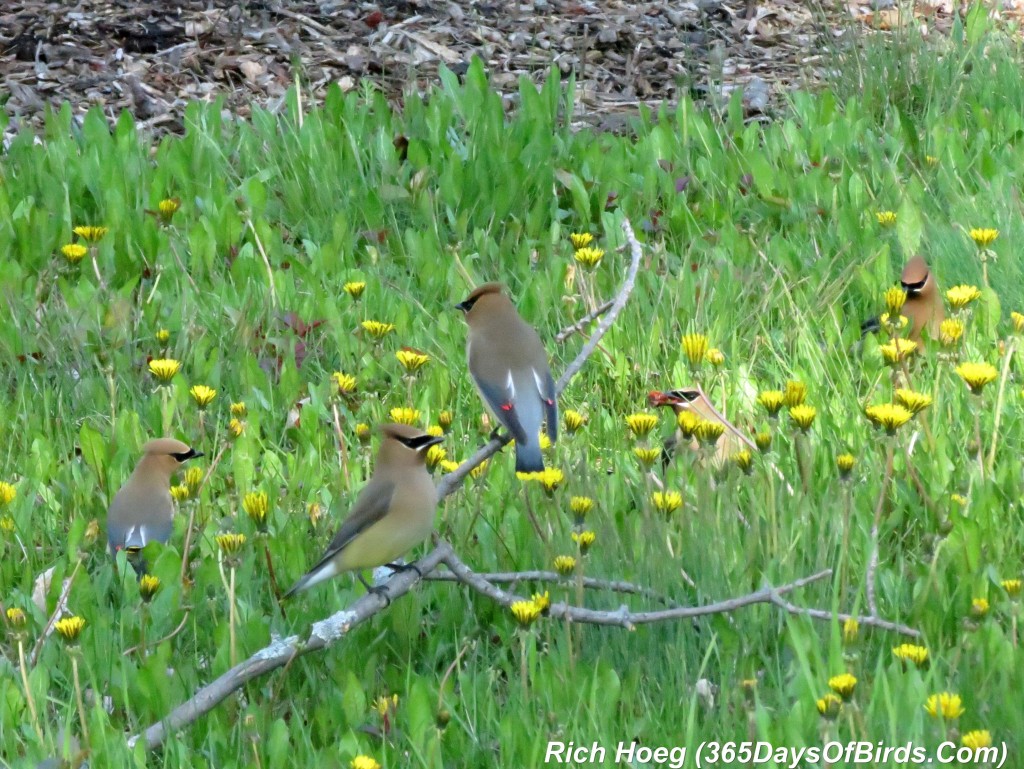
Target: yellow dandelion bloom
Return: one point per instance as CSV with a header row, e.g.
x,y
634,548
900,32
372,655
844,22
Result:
x,y
525,612
829,707
844,685
168,207
542,601
550,478
795,393
580,239
641,424
478,472
845,463
193,477
363,432
7,493
230,544
708,432
944,705
74,252
931,160
667,501
163,336
344,384
889,416
404,415
7,524
435,431
977,375
1018,321
687,422
977,739
363,762
384,704
70,628
893,323
584,540
148,587
911,653
411,360
202,395
895,298
983,237
445,420
647,455
695,347
961,296
913,401
588,258
979,608
958,499
744,460
354,288
851,630
565,564
886,218
16,617
164,369
544,441
256,505
803,416
449,465
897,349
763,441
91,233
435,456
580,506
573,421
715,357
1012,587
180,492
950,331
376,329
236,427
238,409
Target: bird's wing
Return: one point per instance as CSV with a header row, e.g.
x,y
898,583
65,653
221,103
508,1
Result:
x,y
501,401
371,505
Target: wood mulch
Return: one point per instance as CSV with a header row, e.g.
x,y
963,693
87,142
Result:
x,y
154,56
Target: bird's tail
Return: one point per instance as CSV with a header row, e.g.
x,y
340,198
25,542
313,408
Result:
x,y
528,457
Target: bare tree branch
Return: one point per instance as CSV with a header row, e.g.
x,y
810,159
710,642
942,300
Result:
x,y
515,577
583,322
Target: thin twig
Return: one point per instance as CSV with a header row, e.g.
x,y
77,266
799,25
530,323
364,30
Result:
x,y
828,616
516,577
168,637
58,610
266,262
999,403
583,322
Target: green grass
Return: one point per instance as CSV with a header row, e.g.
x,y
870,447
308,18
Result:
x,y
777,269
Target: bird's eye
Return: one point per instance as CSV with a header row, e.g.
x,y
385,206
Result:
x,y
687,395
915,286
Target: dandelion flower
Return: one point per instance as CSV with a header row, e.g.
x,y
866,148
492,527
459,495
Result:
x,y
911,653
851,630
405,415
913,401
344,384
163,336
16,617
958,499
945,705
544,441
435,456
565,565
148,587
893,323
708,431
256,505
950,331
573,421
895,297
91,233
795,394
202,395
238,409
411,360
803,416
763,441
363,762
1012,587
889,416
641,424
845,463
961,296
744,460
584,540
1018,322
695,346
886,218
715,357
829,706
449,465
647,455
542,601
180,492
897,349
979,608
7,493
588,258
74,252
376,329
844,685
977,375
230,544
445,420
550,478
580,506
168,207
525,612
355,289
363,432
667,501
70,628
687,422
7,524
478,472
164,369
236,427
983,237
580,240
976,739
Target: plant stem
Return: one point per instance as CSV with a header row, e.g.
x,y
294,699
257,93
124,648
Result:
x,y
844,549
231,618
28,692
78,697
999,403
873,561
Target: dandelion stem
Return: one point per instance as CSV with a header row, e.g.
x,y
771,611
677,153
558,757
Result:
x,y
342,449
231,618
845,547
977,439
192,516
28,692
869,586
78,697
523,667
999,403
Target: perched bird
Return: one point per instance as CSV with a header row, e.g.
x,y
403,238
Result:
x,y
923,307
393,513
694,400
142,510
510,369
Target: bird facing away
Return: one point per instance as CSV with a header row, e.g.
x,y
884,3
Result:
x,y
510,369
393,513
142,510
694,400
923,307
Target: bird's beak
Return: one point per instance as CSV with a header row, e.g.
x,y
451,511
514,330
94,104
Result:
x,y
462,306
434,440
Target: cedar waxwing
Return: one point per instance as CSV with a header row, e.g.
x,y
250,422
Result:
x,y
510,369
393,513
693,399
923,307
142,511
